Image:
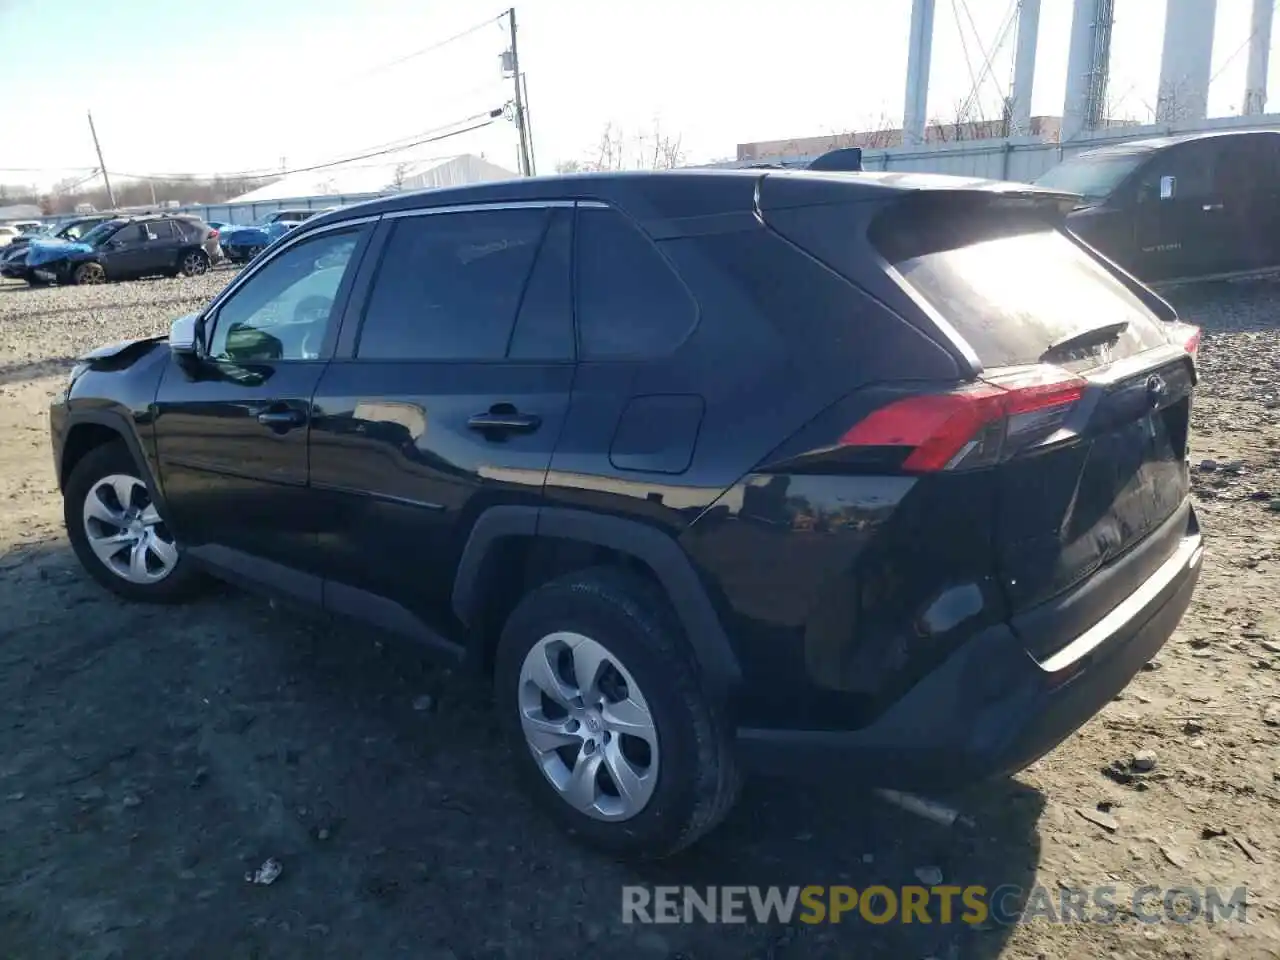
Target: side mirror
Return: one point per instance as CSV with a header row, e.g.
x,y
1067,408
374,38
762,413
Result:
x,y
183,336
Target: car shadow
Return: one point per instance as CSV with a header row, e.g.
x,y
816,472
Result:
x,y
378,780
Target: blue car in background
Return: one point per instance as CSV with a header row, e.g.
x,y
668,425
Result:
x,y
242,242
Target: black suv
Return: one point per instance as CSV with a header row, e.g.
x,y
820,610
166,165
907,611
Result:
x,y
870,474
125,248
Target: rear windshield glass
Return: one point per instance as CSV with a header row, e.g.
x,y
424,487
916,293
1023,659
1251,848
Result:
x,y
1014,288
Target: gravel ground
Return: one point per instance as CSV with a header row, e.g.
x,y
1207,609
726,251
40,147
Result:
x,y
152,756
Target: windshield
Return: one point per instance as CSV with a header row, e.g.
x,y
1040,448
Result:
x,y
1092,177
76,230
101,232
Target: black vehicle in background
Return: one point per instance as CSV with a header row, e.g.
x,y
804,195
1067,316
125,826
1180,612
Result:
x,y
1179,208
866,475
125,248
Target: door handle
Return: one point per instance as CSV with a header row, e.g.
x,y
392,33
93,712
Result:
x,y
1211,206
505,422
282,419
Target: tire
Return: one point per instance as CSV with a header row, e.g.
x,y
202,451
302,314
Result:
x,y
694,779
193,263
88,273
92,477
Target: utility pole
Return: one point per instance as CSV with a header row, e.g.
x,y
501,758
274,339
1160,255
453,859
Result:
x,y
526,168
111,197
528,127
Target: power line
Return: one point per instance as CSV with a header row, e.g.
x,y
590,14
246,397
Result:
x,y
434,135
1237,51
429,49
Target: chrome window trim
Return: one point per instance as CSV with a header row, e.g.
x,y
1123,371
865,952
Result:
x,y
291,239
481,206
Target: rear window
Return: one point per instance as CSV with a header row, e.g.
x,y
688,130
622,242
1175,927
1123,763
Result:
x,y
1016,286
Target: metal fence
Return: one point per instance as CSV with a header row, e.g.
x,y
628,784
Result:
x,y
1025,158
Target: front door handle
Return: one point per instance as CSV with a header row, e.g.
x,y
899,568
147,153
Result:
x,y
1211,206
503,421
282,419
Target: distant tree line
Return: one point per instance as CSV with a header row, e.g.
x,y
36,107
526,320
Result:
x,y
67,194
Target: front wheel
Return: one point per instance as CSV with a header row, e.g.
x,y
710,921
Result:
x,y
193,263
596,691
117,531
88,273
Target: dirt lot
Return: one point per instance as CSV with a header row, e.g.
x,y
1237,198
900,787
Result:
x,y
149,757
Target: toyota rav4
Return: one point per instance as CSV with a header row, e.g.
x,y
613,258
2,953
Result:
x,y
710,471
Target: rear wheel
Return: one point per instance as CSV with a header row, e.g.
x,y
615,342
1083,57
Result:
x,y
597,694
117,531
193,263
88,273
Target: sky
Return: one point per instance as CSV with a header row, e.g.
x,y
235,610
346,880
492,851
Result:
x,y
250,85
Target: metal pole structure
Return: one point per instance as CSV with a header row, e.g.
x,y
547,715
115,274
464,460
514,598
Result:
x,y
525,166
1081,67
1186,60
1024,66
1255,84
528,127
919,53
152,185
111,197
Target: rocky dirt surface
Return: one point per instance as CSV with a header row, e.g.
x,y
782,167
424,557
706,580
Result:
x,y
150,758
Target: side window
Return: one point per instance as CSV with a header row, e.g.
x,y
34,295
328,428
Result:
x,y
283,311
630,303
1193,167
544,326
160,231
130,233
449,285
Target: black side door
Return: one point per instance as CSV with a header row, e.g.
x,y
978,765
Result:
x,y
1183,227
125,253
231,431
160,249
1249,187
446,397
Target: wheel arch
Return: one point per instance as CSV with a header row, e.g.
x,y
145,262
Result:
x,y
92,429
505,535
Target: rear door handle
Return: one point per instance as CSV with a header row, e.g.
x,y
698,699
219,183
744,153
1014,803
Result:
x,y
1211,206
502,422
282,419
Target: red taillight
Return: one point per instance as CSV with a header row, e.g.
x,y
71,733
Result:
x,y
974,425
213,234
1191,341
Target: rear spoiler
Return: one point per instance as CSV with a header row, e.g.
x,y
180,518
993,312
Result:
x,y
844,160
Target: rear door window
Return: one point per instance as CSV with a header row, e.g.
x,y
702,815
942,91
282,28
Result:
x,y
1014,288
631,304
161,231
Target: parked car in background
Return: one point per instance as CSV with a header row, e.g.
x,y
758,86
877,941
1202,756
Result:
x,y
241,243
1179,208
13,259
7,234
124,248
28,226
870,476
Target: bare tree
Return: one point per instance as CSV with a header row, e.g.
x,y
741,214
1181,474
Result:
x,y
399,174
649,149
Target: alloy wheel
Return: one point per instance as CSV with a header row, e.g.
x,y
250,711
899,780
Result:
x,y
588,726
125,531
194,264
